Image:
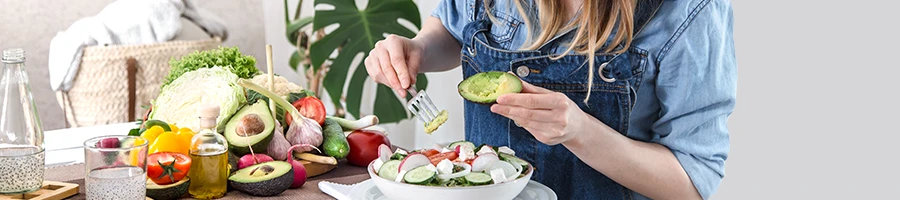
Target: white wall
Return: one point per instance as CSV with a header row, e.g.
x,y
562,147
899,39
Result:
x,y
409,133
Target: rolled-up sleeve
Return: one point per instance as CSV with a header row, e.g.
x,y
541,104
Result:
x,y
454,14
696,87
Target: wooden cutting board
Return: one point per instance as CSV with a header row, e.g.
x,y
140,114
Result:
x,y
315,169
51,190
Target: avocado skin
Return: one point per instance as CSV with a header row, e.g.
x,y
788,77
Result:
x,y
170,192
485,100
263,188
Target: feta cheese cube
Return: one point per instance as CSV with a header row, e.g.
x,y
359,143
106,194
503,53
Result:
x,y
400,176
485,149
498,176
506,150
445,167
377,164
401,151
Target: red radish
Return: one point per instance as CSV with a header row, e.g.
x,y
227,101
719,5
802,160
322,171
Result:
x,y
413,161
384,152
299,169
249,160
484,162
299,173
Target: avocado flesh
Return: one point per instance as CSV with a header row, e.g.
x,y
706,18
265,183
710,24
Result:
x,y
437,122
168,191
485,87
264,179
241,145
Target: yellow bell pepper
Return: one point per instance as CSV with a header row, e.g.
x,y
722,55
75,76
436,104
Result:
x,y
151,133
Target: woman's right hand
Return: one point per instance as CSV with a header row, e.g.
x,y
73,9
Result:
x,y
395,62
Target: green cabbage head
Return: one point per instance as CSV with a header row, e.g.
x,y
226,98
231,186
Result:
x,y
178,102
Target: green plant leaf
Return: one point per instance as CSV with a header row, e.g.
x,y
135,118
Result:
x,y
357,33
387,107
295,60
293,29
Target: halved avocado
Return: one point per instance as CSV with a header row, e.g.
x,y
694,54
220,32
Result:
x,y
264,179
485,87
250,127
168,191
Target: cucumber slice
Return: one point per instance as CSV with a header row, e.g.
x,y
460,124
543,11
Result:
x,y
453,145
513,160
389,170
420,176
478,178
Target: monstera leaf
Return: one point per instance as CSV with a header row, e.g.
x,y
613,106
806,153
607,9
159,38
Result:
x,y
357,32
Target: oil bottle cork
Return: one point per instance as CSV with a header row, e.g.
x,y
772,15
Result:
x,y
208,114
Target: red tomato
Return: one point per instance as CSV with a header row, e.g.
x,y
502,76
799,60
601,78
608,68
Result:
x,y
364,146
430,152
167,167
469,161
437,158
310,107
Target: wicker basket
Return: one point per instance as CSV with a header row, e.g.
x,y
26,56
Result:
x,y
114,82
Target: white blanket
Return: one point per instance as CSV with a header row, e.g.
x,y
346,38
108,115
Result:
x,y
122,22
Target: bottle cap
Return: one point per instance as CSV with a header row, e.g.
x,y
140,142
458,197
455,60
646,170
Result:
x,y
13,55
209,111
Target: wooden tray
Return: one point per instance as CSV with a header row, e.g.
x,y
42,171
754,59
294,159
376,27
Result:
x,y
50,190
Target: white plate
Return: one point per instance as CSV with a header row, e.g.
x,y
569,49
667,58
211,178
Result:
x,y
366,190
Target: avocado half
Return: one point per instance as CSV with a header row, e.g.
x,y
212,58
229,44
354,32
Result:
x,y
264,179
485,87
241,145
168,191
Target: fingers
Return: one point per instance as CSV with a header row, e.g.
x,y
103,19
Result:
x,y
387,69
396,49
539,115
531,100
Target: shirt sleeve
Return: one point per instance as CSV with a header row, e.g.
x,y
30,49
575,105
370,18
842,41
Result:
x,y
454,15
696,87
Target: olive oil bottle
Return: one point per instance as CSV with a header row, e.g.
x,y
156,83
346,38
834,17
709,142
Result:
x,y
209,155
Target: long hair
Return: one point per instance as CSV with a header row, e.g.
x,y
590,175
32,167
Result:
x,y
597,21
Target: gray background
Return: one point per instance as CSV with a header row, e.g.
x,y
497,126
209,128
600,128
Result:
x,y
817,101
817,92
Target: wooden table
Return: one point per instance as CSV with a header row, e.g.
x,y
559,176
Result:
x,y
65,153
344,174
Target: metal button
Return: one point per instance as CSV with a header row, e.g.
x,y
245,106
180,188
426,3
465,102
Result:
x,y
523,71
471,51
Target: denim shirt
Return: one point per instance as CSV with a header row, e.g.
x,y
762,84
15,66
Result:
x,y
687,88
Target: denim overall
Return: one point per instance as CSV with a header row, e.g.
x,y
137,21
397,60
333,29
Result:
x,y
610,103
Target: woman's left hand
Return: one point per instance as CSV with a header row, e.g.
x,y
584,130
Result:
x,y
550,116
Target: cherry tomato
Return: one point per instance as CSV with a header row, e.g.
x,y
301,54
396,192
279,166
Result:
x,y
430,152
167,167
437,158
310,107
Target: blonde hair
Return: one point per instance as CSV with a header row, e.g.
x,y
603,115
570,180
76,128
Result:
x,y
605,15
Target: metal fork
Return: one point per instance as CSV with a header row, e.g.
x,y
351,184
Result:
x,y
421,105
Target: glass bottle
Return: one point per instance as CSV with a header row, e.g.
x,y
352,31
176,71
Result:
x,y
21,135
209,166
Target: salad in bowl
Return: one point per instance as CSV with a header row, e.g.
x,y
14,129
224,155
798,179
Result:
x,y
456,171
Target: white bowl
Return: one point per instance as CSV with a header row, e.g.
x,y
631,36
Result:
x,y
405,191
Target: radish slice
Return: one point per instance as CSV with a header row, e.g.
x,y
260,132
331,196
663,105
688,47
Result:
x,y
484,162
466,170
507,168
413,161
384,153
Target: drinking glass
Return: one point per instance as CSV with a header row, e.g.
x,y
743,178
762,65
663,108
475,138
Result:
x,y
115,167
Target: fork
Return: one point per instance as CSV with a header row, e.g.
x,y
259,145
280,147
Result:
x,y
421,105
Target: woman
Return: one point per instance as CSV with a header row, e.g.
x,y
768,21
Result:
x,y
622,99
